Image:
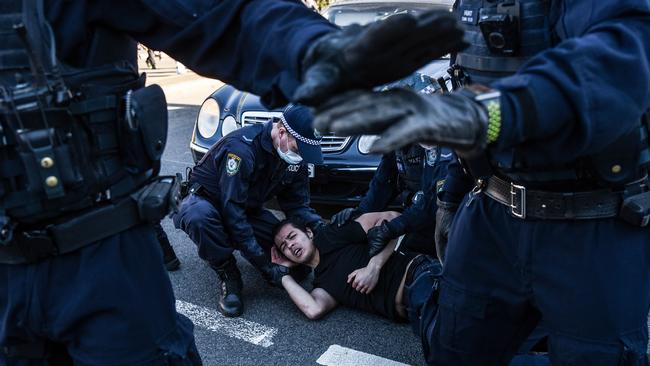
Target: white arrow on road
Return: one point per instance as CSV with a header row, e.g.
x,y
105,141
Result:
x,y
341,356
239,328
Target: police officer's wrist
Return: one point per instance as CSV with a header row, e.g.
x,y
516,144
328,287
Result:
x,y
394,230
490,100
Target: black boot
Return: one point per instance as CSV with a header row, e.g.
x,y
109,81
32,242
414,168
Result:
x,y
169,256
230,303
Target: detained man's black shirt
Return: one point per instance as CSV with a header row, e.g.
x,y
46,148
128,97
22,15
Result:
x,y
345,249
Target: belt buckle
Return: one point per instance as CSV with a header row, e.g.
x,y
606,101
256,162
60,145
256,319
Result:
x,y
518,206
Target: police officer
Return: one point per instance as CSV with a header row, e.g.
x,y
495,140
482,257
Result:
x,y
412,174
229,187
81,141
552,133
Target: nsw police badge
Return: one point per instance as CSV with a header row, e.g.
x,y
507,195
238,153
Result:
x,y
432,155
232,164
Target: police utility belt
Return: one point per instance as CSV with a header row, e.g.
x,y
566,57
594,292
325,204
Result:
x,y
524,203
150,204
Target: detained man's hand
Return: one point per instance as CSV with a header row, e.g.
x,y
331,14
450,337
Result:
x,y
364,279
403,117
375,54
280,259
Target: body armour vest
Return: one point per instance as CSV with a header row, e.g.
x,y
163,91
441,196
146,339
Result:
x,y
70,139
409,167
503,35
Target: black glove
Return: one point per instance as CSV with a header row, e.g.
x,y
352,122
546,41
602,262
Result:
x,y
343,216
317,225
378,238
372,55
403,117
444,216
273,273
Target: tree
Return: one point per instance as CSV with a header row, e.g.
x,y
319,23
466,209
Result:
x,y
322,3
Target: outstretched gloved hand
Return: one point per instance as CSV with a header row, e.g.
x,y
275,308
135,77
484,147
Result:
x,y
403,117
367,56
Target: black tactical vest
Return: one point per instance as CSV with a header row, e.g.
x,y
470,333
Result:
x,y
70,139
409,167
503,34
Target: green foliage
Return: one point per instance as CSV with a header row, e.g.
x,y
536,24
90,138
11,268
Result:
x,y
322,3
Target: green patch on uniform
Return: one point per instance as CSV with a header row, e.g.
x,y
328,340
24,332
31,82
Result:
x,y
232,164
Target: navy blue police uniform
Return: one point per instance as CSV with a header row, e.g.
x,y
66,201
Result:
x,y
539,237
230,185
413,174
111,302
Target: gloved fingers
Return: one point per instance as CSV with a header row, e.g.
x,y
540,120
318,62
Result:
x,y
359,113
398,135
319,81
383,35
432,20
420,56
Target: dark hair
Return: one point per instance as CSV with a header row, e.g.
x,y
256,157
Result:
x,y
294,221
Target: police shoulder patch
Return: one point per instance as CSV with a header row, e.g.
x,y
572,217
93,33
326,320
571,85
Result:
x,y
232,164
432,155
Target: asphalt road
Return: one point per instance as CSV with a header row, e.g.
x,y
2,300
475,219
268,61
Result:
x,y
271,331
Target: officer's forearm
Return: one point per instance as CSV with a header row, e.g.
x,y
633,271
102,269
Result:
x,y
562,103
457,184
380,259
224,41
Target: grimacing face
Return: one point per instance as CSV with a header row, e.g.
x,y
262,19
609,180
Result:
x,y
295,244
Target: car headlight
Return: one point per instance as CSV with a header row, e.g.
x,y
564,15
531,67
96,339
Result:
x,y
208,120
229,125
365,142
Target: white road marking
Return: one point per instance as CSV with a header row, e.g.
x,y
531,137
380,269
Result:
x,y
173,108
239,328
341,356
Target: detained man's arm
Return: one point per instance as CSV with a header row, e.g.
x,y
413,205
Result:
x,y
365,279
315,304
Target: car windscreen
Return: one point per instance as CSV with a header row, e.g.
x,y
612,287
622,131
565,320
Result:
x,y
344,15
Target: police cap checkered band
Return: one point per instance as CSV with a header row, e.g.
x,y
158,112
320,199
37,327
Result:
x,y
296,134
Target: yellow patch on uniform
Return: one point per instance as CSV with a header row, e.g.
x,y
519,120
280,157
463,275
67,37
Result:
x,y
439,185
232,164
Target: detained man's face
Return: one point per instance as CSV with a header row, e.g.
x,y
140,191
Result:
x,y
295,244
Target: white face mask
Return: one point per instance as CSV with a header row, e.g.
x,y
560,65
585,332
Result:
x,y
289,157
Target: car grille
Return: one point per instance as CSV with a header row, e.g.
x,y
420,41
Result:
x,y
251,118
330,143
